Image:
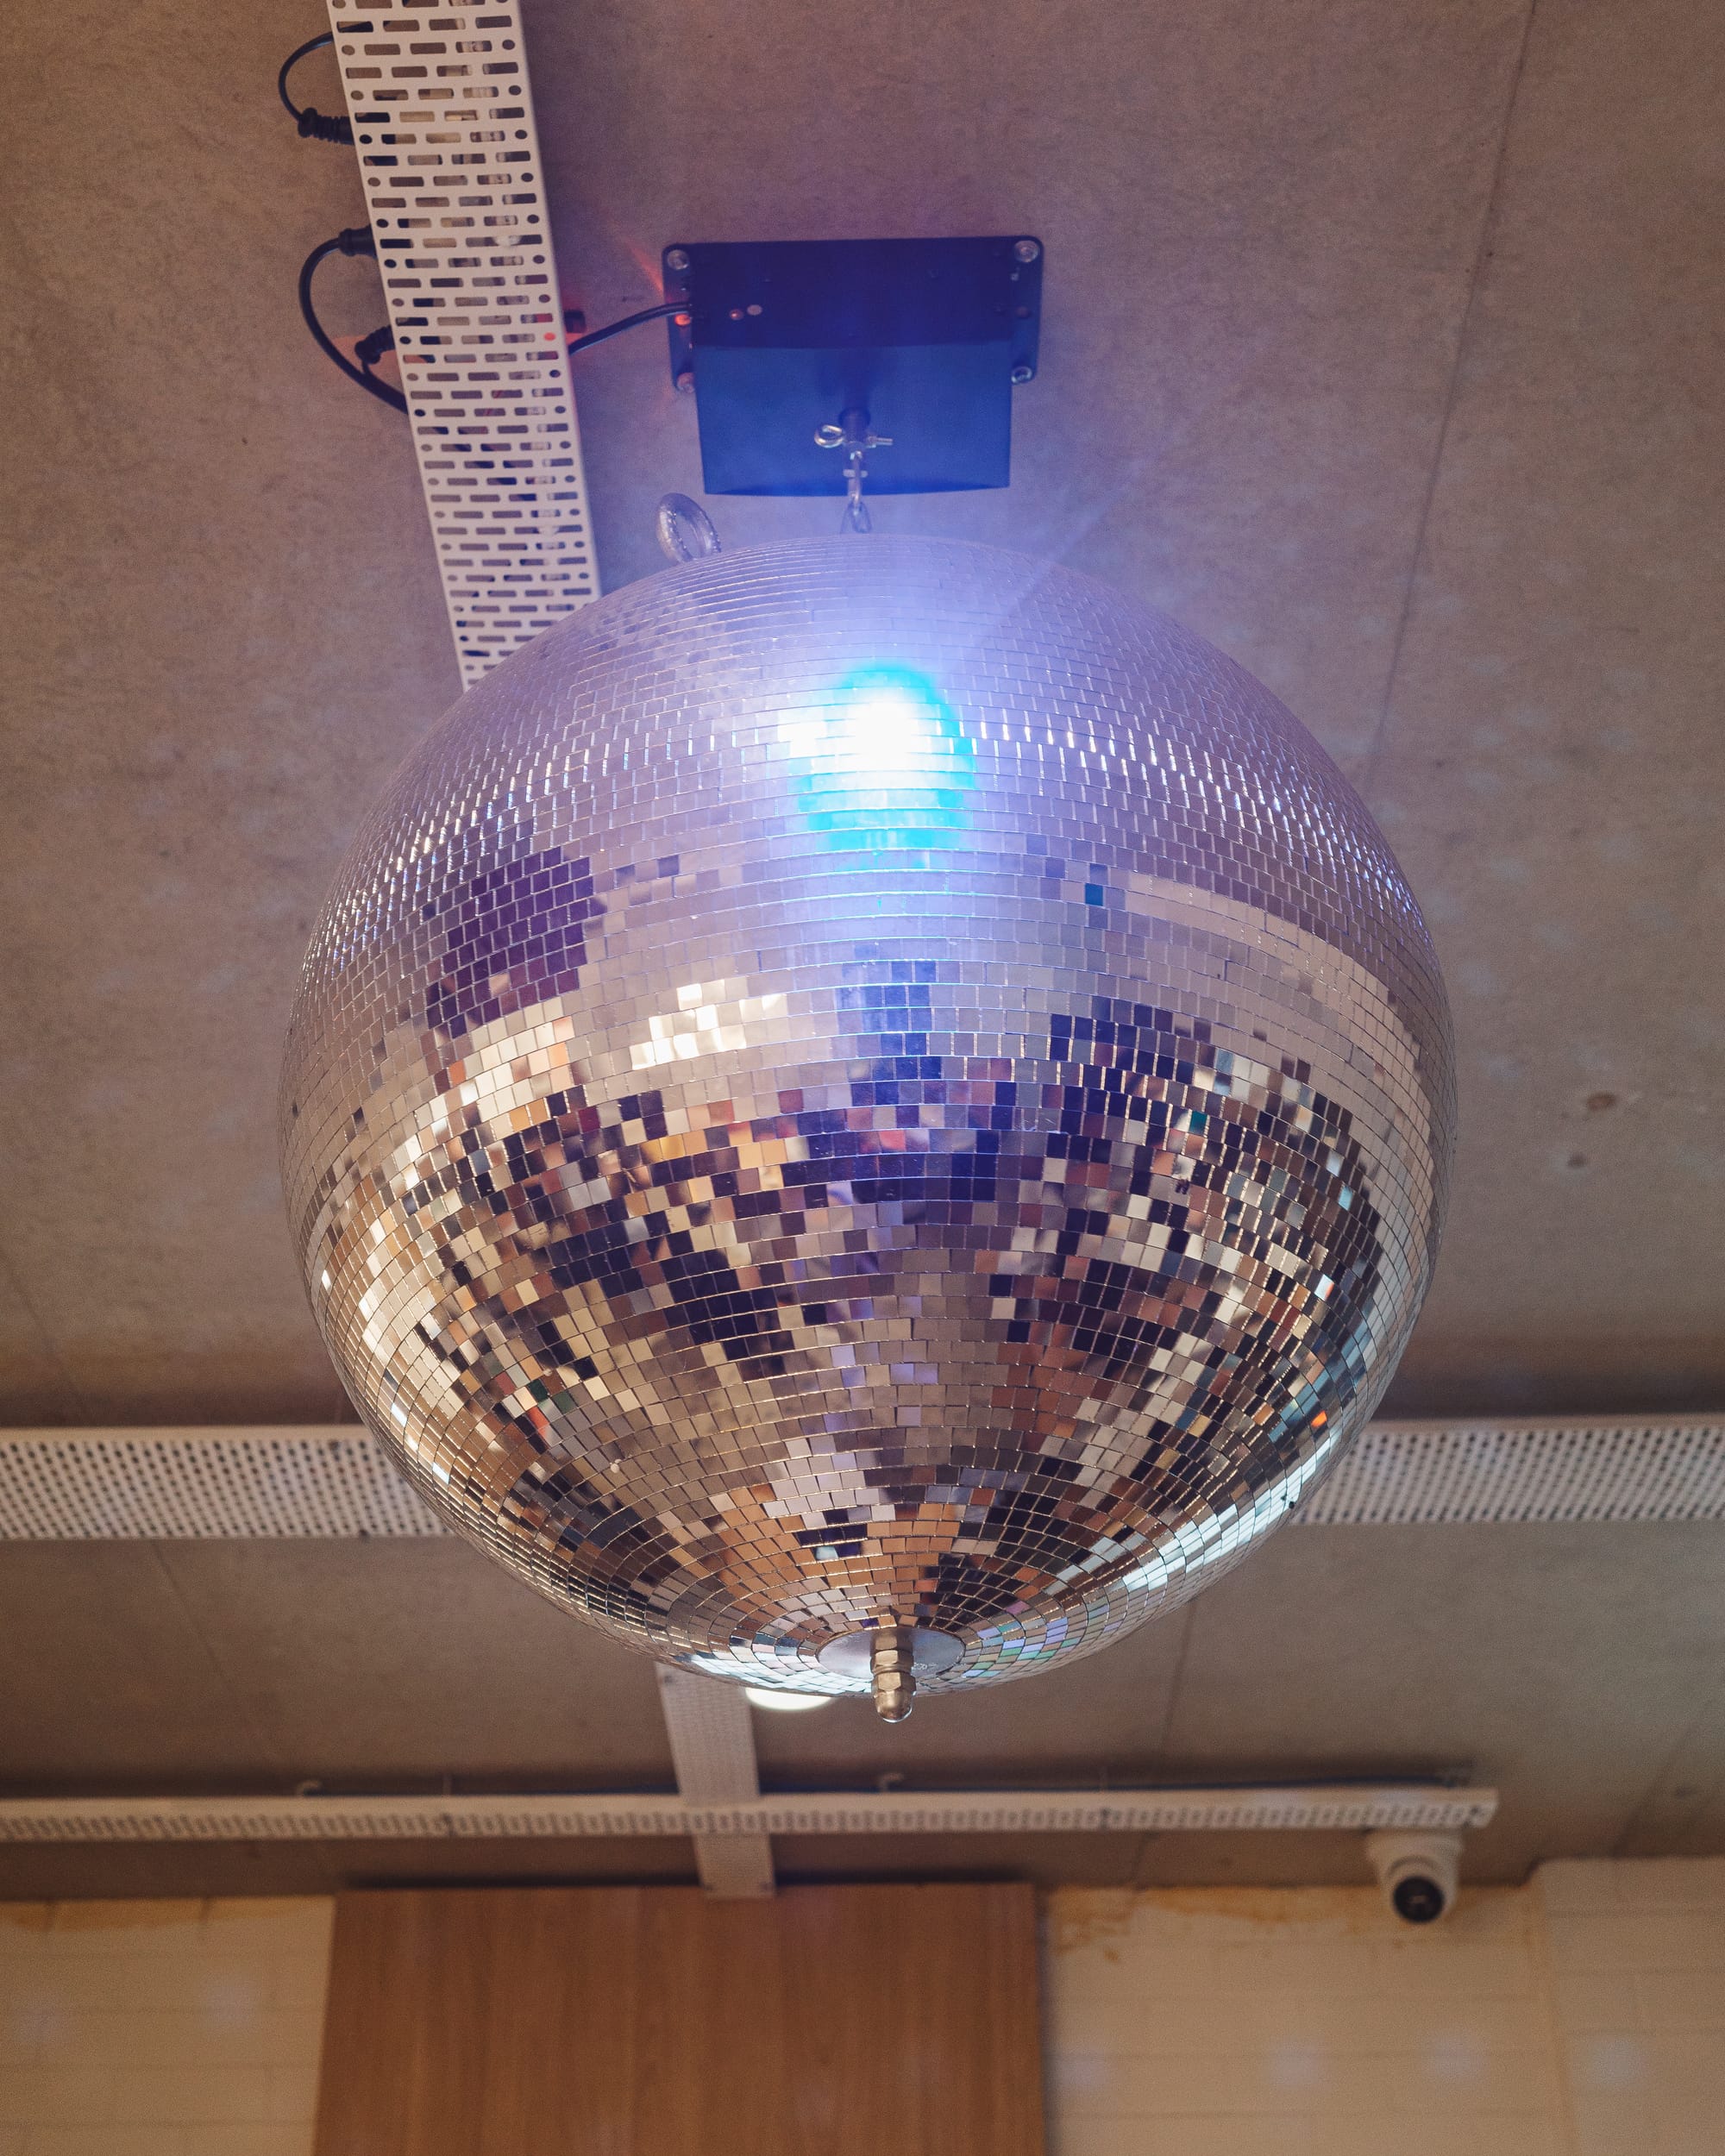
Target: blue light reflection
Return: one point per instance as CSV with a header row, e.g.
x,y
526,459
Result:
x,y
884,765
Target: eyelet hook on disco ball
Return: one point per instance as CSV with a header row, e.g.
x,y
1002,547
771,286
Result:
x,y
683,528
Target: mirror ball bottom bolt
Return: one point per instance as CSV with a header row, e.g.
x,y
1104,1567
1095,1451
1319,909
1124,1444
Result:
x,y
892,1673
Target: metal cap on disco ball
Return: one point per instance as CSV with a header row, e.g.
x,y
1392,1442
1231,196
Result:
x,y
868,1115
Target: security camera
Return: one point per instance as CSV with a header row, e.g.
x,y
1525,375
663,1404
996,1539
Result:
x,y
1418,1872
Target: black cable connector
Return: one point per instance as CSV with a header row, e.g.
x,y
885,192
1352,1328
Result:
x,y
356,240
361,240
313,125
629,322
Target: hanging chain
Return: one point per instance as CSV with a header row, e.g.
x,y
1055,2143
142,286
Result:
x,y
855,517
854,434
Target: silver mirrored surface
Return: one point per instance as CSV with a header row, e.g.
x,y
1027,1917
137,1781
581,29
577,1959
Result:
x,y
868,1082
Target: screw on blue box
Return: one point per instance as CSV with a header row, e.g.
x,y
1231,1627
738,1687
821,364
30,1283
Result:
x,y
923,339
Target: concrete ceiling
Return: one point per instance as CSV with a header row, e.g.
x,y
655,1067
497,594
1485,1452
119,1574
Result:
x,y
1580,1669
1381,346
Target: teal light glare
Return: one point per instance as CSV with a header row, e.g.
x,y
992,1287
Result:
x,y
882,764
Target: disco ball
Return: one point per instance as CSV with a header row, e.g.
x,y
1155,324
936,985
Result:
x,y
868,1114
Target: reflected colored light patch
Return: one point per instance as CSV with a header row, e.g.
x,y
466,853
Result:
x,y
885,765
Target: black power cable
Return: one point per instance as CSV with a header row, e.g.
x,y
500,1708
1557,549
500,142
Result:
x,y
311,122
357,240
629,322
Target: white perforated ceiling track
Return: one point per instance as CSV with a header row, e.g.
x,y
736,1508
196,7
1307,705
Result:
x,y
1343,1808
1631,1468
202,1485
444,127
60,1485
713,1750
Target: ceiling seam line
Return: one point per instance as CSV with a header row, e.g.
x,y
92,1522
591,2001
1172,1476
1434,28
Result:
x,y
222,1675
1701,1720
50,1346
1166,1738
1488,228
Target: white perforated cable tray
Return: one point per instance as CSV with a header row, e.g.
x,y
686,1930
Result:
x,y
713,1752
1413,1474
1338,1807
203,1485
449,150
338,1482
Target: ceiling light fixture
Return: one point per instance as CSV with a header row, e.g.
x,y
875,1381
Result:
x,y
785,1703
865,1114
